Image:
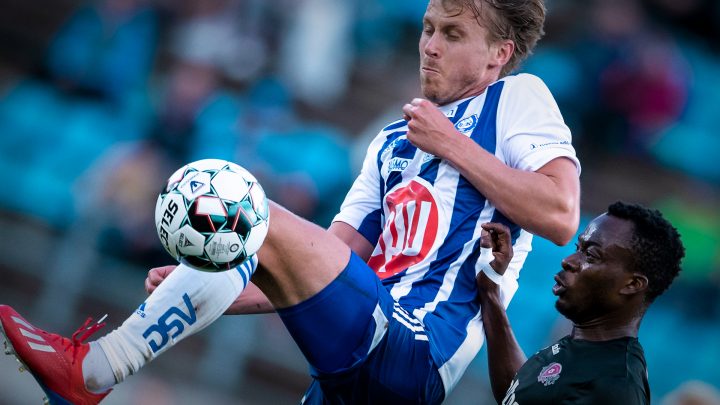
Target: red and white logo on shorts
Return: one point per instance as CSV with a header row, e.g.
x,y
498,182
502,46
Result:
x,y
409,232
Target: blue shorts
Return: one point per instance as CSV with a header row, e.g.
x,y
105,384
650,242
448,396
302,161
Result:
x,y
361,345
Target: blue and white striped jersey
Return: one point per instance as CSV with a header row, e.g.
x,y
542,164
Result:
x,y
424,218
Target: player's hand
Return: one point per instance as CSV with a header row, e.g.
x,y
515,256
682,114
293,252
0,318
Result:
x,y
156,276
428,128
497,237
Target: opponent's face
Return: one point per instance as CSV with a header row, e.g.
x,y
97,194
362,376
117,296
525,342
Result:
x,y
590,283
456,60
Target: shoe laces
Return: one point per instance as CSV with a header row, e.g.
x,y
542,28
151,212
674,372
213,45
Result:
x,y
79,337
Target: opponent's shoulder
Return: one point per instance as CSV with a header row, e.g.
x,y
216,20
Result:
x,y
619,390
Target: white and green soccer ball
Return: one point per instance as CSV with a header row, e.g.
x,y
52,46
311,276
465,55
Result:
x,y
212,214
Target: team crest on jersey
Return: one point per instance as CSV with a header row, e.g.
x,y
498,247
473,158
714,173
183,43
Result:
x,y
549,374
467,124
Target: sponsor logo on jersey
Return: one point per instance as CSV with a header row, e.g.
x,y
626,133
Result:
x,y
549,374
555,348
397,165
410,229
542,145
387,152
467,124
170,325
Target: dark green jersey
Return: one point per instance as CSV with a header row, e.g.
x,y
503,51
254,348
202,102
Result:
x,y
583,372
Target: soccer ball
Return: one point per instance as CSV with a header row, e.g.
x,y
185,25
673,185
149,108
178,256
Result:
x,y
212,215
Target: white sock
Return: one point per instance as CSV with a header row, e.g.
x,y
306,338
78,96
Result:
x,y
102,377
186,302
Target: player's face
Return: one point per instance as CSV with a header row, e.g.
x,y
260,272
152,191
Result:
x,y
456,60
591,278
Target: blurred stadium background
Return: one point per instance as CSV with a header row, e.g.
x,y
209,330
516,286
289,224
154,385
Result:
x,y
100,101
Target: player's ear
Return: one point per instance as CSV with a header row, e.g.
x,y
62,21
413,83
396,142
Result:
x,y
502,51
636,283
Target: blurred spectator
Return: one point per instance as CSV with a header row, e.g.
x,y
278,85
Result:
x,y
190,88
315,58
640,78
693,393
219,33
117,196
106,48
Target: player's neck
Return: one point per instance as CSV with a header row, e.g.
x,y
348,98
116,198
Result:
x,y
606,329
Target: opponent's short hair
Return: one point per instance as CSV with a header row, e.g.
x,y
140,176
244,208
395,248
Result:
x,y
520,21
656,246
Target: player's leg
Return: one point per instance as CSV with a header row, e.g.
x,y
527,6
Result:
x,y
324,299
361,345
297,259
71,370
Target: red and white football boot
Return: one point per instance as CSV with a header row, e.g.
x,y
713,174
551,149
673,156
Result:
x,y
54,361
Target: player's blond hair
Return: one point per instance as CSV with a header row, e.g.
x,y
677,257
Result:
x,y
520,21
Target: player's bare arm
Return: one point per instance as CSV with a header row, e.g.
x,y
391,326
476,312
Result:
x,y
505,357
352,238
545,202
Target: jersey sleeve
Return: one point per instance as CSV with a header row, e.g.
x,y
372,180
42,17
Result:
x,y
362,207
532,130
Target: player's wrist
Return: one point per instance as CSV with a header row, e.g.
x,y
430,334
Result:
x,y
454,149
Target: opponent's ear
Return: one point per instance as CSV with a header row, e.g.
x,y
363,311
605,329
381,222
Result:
x,y
636,283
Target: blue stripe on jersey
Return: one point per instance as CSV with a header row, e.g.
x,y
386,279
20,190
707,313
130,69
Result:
x,y
371,226
388,141
464,307
514,228
469,203
395,125
485,132
404,150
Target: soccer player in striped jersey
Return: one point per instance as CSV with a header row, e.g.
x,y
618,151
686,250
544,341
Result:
x,y
382,304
